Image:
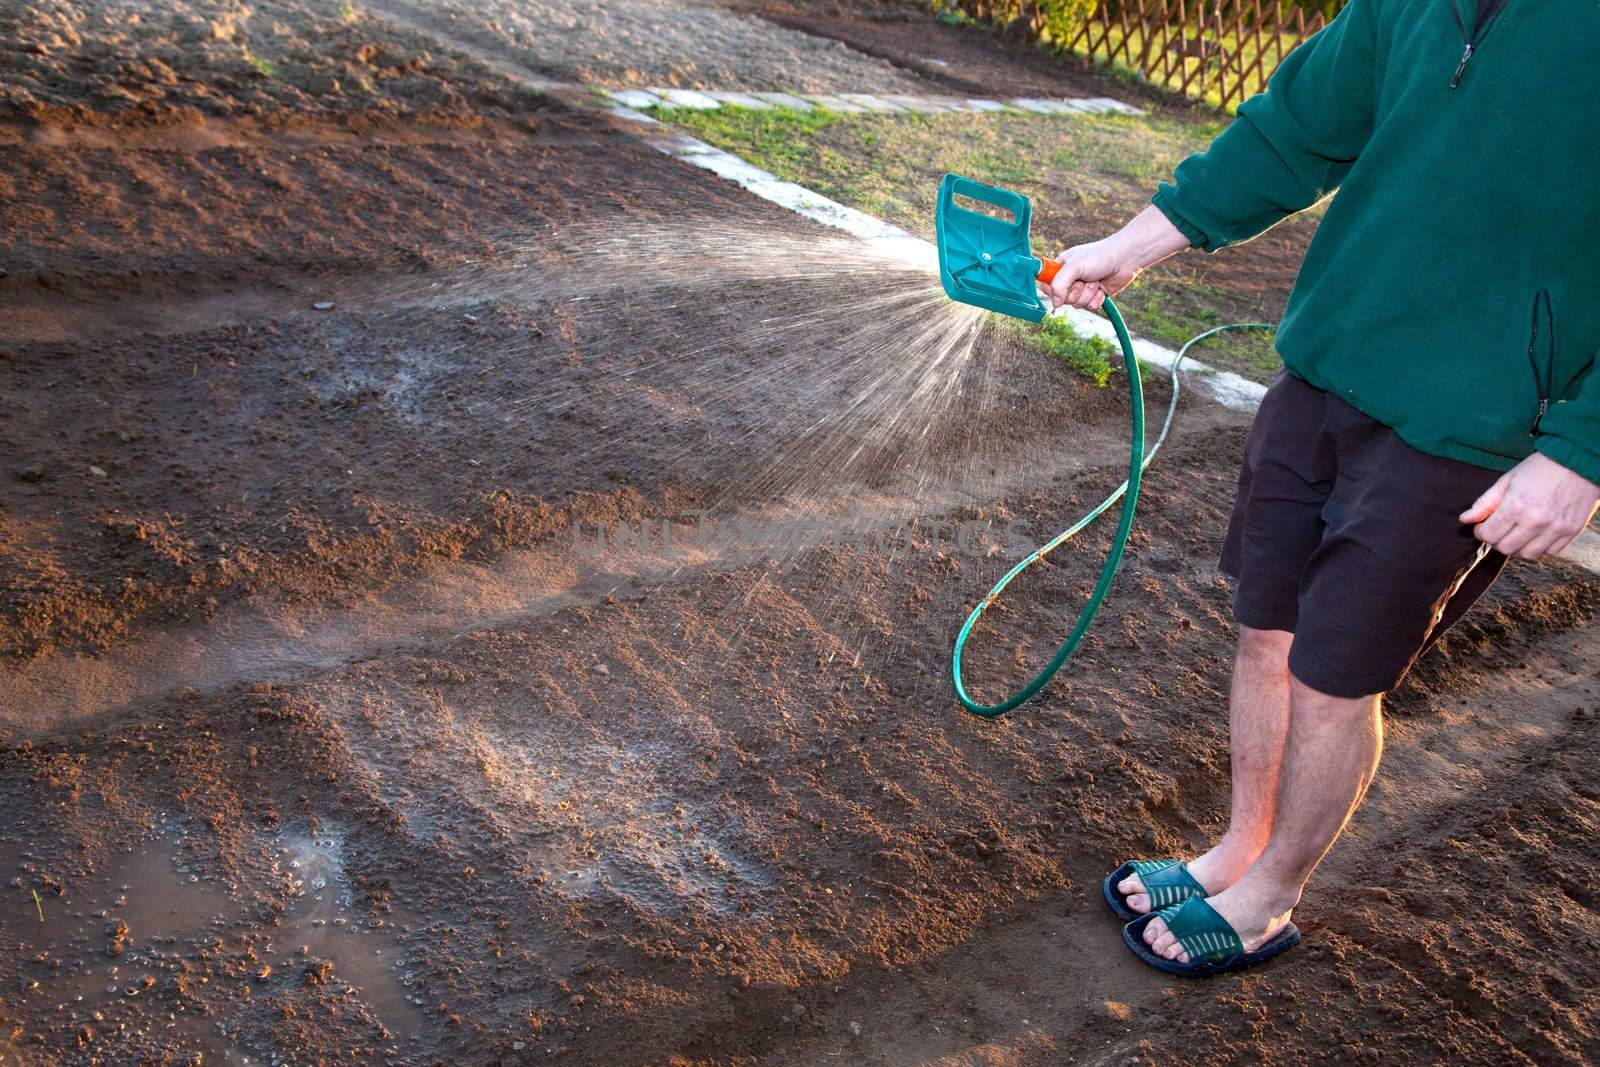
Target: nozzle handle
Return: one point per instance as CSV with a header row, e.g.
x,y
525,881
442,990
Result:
x,y
1047,270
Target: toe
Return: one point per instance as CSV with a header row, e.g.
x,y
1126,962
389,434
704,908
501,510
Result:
x,y
1154,929
1130,884
1138,902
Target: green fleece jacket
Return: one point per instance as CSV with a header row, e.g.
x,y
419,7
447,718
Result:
x,y
1419,301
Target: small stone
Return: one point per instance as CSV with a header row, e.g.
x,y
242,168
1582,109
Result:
x,y
98,472
264,973
1114,1010
317,82
1150,836
323,305
854,1028
797,1009
32,473
602,670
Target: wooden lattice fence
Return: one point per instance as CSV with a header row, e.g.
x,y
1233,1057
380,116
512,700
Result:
x,y
1219,51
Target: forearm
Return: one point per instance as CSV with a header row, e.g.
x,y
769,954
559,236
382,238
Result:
x,y
1147,239
1089,273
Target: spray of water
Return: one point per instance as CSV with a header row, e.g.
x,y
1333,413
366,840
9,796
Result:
x,y
822,385
827,366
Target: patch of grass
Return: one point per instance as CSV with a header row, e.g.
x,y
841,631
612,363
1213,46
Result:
x,y
893,162
955,17
349,14
781,139
261,63
1168,316
1172,309
1093,357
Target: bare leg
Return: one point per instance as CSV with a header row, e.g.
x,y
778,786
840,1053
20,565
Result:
x,y
1258,721
1332,755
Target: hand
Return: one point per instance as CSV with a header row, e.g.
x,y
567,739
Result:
x,y
1537,508
1090,273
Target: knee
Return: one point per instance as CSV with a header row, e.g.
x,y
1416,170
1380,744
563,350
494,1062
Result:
x,y
1314,703
1264,650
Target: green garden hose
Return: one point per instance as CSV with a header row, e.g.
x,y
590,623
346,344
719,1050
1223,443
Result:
x,y
1128,493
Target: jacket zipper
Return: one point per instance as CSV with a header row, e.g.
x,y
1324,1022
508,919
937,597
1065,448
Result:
x,y
1487,12
1545,384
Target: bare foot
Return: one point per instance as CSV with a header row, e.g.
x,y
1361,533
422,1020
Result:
x,y
1215,871
1256,912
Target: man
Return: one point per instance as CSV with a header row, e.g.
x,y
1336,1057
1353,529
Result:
x,y
1439,411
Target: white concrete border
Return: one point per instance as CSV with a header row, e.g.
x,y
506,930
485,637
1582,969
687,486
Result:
x,y
706,99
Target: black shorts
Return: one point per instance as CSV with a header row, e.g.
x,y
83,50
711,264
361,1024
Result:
x,y
1349,538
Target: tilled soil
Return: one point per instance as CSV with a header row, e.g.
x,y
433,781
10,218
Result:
x,y
324,739
656,42
108,62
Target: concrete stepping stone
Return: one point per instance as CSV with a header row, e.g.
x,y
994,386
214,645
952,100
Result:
x,y
686,98
1117,106
636,98
923,104
987,105
834,103
787,100
748,100
870,102
1043,107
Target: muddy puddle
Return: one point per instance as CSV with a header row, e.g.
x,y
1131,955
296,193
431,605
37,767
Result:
x,y
127,954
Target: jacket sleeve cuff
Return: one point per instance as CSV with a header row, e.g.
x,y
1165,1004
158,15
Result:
x,y
1570,455
1198,238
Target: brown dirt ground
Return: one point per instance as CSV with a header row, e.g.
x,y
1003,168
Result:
x,y
973,61
321,744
